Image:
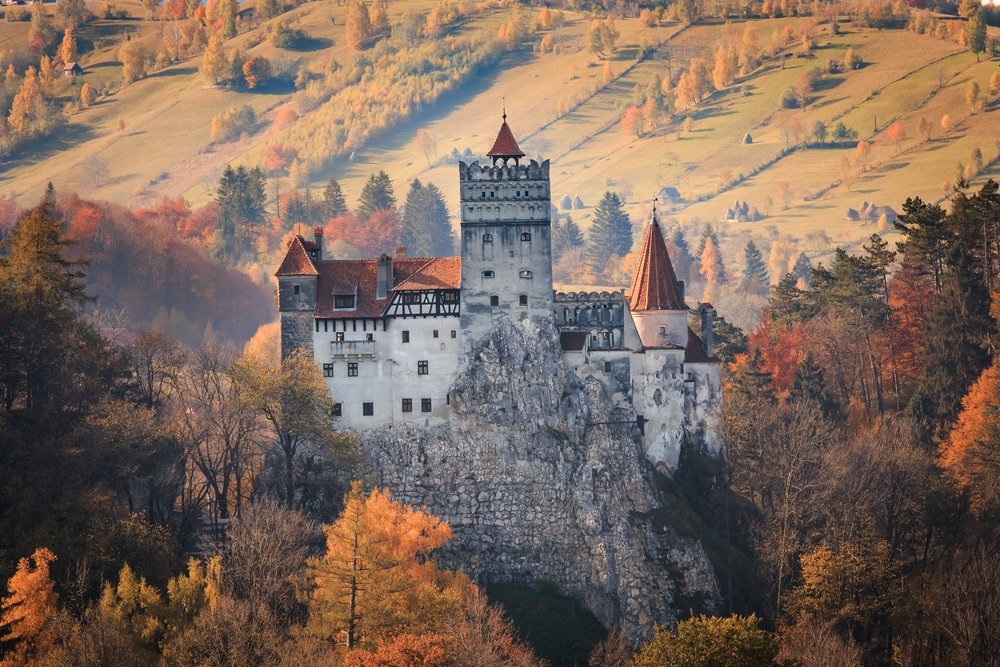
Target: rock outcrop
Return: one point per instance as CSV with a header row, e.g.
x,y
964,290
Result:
x,y
538,486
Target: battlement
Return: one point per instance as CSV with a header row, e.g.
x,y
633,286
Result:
x,y
533,171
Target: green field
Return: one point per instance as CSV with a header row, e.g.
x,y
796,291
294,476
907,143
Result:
x,y
165,149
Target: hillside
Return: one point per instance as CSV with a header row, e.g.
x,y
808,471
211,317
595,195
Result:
x,y
560,106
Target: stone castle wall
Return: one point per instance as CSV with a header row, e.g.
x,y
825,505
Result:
x,y
536,488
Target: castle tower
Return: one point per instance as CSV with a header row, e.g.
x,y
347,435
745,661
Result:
x,y
506,243
297,278
656,298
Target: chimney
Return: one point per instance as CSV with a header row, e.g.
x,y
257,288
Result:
x,y
318,236
400,251
707,322
383,281
680,291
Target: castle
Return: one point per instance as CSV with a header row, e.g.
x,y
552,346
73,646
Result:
x,y
392,333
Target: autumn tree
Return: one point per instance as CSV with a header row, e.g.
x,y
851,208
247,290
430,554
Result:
x,y
132,55
72,12
359,26
377,577
632,121
256,70
215,65
975,34
970,453
296,404
29,611
67,48
972,94
704,641
427,144
28,112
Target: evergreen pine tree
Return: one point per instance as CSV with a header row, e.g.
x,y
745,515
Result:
x,y
803,269
415,234
682,256
809,386
558,238
751,381
377,195
610,235
573,233
295,210
755,278
439,222
334,204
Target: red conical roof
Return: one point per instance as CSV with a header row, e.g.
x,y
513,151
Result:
x,y
505,145
296,261
654,286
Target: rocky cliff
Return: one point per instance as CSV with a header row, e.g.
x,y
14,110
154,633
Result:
x,y
536,487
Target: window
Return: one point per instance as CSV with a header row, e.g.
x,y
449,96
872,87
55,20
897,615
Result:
x,y
525,236
454,334
295,290
494,301
425,405
406,336
340,336
352,369
435,333
407,405
367,409
663,331
484,194
422,368
337,410
328,370
450,297
488,274
522,300
343,301
411,297
487,237
369,337
607,366
525,273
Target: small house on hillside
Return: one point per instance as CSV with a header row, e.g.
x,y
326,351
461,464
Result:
x,y
869,212
73,70
669,194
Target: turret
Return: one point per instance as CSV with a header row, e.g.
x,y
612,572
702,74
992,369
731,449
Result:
x,y
656,298
297,277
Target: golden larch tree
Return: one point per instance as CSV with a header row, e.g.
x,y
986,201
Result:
x,y
359,25
67,49
31,607
377,579
28,110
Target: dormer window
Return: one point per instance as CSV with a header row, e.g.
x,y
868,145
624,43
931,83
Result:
x,y
487,238
343,302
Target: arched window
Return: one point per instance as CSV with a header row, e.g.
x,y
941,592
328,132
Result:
x,y
488,274
525,236
494,301
487,238
525,273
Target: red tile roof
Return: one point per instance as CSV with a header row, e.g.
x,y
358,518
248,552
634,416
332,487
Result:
x,y
296,261
437,273
694,354
654,286
359,277
505,144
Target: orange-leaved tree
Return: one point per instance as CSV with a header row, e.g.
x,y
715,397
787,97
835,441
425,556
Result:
x,y
971,454
377,579
30,610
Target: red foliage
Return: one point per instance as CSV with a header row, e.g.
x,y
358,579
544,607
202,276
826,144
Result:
x,y
910,295
781,353
370,237
139,262
284,117
278,157
176,9
404,651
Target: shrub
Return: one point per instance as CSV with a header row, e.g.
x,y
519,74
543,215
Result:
x,y
284,36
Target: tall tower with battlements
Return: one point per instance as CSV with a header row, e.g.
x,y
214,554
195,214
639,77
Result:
x,y
506,239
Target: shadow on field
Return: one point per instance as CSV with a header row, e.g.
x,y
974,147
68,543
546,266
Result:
x,y
43,148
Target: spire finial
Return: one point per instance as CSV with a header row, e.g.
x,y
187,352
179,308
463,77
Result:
x,y
503,106
656,199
